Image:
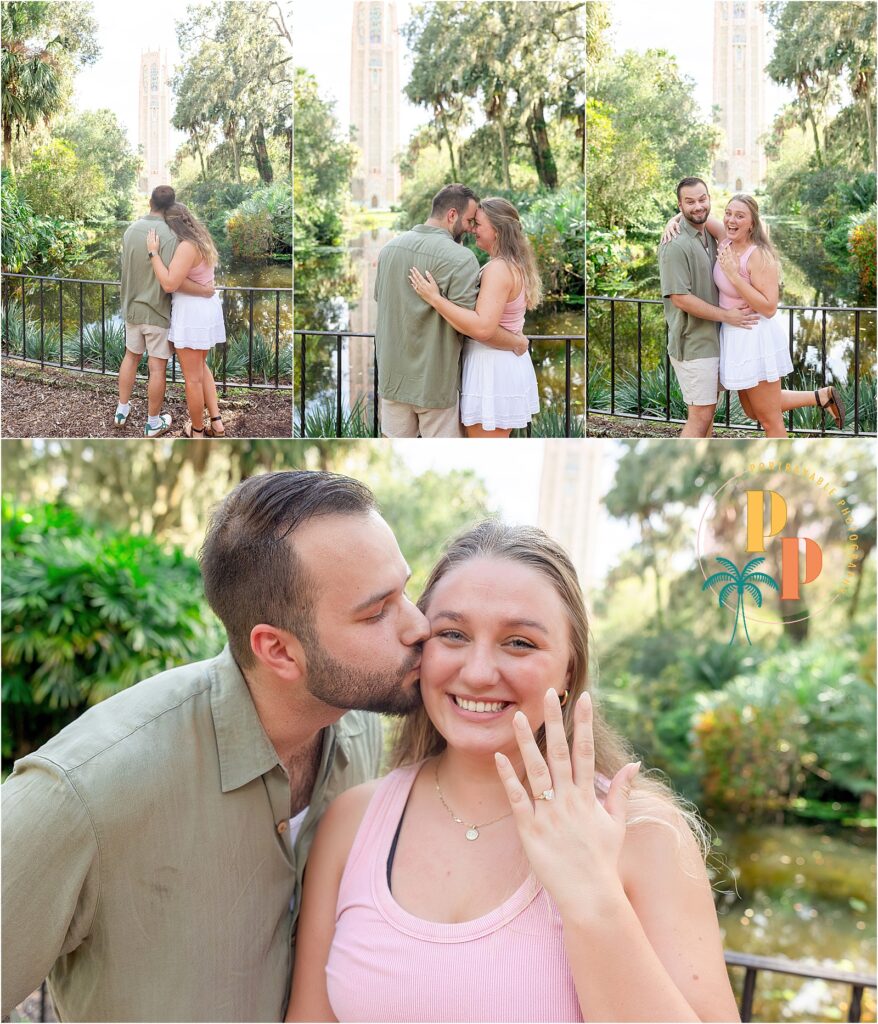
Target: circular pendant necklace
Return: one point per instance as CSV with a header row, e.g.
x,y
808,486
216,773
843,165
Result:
x,y
472,829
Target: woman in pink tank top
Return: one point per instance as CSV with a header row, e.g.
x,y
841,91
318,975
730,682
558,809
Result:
x,y
514,866
753,360
196,322
498,388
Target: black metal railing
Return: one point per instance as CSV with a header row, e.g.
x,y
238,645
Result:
x,y
777,965
268,366
752,966
569,341
611,409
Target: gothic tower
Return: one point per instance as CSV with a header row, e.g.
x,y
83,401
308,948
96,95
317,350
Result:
x,y
738,90
375,92
154,119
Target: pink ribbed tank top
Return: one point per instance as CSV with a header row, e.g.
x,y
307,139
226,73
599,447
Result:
x,y
202,273
728,294
387,965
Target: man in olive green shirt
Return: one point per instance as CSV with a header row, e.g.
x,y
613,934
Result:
x,y
419,352
146,308
153,851
692,308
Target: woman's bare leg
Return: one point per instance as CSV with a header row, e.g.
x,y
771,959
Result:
x,y
192,365
211,399
764,400
477,430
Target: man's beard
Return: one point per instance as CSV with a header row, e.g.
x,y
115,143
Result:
x,y
458,231
355,688
699,219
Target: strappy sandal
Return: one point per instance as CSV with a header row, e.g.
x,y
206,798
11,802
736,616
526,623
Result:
x,y
190,431
834,406
215,433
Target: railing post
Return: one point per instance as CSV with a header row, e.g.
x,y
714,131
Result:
x,y
250,337
23,320
302,385
225,368
567,369
277,337
375,387
855,1010
60,323
612,357
747,995
6,320
338,385
639,359
81,333
103,332
667,377
856,372
43,1000
823,367
42,325
586,358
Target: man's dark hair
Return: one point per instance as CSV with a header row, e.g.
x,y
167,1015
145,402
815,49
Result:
x,y
251,570
452,197
163,198
689,182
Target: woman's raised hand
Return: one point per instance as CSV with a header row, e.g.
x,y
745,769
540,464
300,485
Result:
x,y
152,240
672,228
426,287
573,842
729,262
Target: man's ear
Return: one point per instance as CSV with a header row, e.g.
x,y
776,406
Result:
x,y
278,651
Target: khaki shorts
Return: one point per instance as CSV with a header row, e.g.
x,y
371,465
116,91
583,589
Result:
x,y
699,379
146,337
399,419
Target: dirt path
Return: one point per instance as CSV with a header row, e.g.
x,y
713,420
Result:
x,y
62,403
610,426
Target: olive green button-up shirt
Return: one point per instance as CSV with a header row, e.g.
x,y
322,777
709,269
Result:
x,y
146,860
686,268
418,351
144,301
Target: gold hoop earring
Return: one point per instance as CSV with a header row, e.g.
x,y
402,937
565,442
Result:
x,y
564,698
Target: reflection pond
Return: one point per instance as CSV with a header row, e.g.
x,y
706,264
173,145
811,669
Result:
x,y
335,292
804,894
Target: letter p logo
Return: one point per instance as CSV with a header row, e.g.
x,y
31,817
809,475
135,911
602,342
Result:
x,y
777,518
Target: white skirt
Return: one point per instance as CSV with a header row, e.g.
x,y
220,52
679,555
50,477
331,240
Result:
x,y
748,357
498,389
196,322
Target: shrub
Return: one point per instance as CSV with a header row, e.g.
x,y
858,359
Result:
x,y
87,613
260,228
861,244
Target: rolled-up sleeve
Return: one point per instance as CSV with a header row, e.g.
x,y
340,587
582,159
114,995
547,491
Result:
x,y
50,869
463,284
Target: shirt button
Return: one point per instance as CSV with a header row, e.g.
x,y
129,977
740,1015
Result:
x,y
282,826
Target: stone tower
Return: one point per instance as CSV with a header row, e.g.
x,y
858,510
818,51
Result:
x,y
739,30
154,118
375,93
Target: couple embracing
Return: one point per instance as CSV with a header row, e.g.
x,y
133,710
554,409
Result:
x,y
450,349
727,273
170,305
514,865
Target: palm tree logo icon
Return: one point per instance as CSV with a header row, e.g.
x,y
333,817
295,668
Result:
x,y
740,582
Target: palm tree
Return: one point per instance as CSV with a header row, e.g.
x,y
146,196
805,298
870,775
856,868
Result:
x,y
32,75
740,582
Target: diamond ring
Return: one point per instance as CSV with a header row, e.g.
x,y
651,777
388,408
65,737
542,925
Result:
x,y
547,794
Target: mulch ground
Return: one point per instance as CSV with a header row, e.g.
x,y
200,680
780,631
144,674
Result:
x,y
63,403
610,426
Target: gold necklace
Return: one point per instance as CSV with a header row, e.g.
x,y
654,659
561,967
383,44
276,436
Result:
x,y
472,829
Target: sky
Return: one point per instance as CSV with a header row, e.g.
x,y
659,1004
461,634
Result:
x,y
322,45
684,28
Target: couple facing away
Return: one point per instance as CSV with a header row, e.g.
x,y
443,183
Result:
x,y
727,273
449,340
513,865
170,306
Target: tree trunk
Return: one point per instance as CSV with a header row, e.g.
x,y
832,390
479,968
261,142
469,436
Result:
x,y
260,154
7,148
446,134
200,155
504,151
538,139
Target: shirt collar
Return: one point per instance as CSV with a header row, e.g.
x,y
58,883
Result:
x,y
245,751
694,233
426,229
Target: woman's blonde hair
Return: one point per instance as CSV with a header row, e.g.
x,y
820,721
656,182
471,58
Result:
x,y
513,246
187,227
417,738
759,232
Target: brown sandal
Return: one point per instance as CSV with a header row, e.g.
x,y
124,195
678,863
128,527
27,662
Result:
x,y
834,405
213,433
189,431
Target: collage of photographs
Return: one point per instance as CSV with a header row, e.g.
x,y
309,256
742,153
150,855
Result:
x,y
438,476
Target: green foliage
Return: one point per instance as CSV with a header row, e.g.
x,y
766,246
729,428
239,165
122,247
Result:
x,y
87,613
321,421
32,243
605,259
57,183
261,225
862,243
213,200
324,162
